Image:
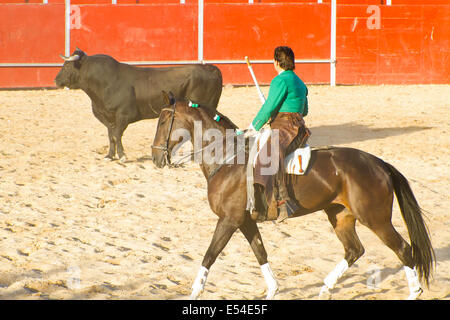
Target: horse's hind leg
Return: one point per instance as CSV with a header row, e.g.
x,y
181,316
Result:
x,y
343,223
391,238
222,234
251,233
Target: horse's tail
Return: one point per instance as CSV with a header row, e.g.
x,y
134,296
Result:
x,y
422,251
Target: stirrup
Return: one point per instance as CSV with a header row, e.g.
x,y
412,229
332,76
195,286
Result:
x,y
286,209
283,213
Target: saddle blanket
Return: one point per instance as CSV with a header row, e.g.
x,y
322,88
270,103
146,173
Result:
x,y
295,162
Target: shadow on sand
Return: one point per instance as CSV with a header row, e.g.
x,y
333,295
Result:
x,y
346,133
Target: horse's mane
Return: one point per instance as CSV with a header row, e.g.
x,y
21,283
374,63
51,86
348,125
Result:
x,y
212,113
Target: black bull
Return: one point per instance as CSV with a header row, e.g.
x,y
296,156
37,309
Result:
x,y
122,94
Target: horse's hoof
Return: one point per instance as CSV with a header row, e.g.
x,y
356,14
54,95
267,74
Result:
x,y
108,159
123,159
195,293
414,295
271,292
325,293
193,296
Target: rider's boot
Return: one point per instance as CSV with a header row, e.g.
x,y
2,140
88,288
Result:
x,y
286,206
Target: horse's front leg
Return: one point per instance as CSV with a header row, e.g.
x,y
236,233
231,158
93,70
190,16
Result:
x,y
251,233
224,230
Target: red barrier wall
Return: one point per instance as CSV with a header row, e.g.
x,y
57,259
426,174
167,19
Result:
x,y
30,33
136,33
235,31
410,45
256,30
175,1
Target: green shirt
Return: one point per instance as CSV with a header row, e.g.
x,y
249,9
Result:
x,y
287,93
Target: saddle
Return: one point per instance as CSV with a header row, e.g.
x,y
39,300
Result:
x,y
296,163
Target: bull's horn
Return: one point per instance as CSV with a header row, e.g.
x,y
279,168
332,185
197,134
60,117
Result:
x,y
75,57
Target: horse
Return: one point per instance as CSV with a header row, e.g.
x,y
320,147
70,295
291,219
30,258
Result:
x,y
348,184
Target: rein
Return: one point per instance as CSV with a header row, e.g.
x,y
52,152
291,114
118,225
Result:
x,y
165,147
203,149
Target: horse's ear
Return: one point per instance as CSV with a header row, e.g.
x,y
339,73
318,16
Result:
x,y
171,98
166,98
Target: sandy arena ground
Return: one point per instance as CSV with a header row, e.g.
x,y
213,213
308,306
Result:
x,y
73,226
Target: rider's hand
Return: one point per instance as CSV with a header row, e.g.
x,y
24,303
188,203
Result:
x,y
250,132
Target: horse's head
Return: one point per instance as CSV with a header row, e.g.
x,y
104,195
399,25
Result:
x,y
178,123
170,120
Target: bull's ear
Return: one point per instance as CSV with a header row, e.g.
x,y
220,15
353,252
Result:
x,y
79,51
77,64
81,54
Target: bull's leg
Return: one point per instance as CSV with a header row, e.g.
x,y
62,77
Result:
x,y
112,145
251,233
222,234
117,137
109,125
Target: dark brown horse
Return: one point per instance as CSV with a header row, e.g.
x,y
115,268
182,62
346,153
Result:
x,y
348,184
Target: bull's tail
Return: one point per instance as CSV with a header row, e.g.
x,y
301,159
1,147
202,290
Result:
x,y
422,251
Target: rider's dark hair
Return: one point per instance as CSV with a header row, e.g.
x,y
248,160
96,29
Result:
x,y
285,56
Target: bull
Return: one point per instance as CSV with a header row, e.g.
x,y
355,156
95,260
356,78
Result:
x,y
122,94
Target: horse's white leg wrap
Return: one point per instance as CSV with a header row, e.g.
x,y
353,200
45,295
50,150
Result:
x,y
272,285
413,283
332,278
199,283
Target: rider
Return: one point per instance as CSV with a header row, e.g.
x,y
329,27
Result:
x,y
285,106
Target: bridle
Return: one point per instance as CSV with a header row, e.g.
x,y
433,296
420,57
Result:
x,y
165,147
